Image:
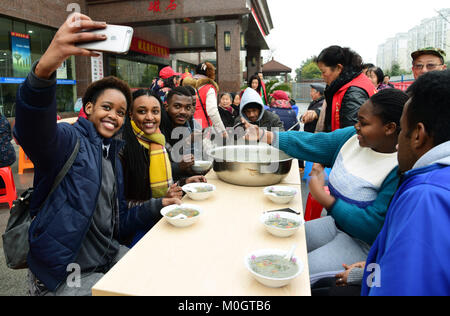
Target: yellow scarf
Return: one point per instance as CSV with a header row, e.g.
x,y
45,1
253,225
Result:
x,y
160,169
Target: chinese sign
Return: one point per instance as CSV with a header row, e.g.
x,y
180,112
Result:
x,y
21,54
61,72
148,48
156,6
97,68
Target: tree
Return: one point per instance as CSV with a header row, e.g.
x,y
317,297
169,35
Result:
x,y
308,70
397,71
274,85
311,71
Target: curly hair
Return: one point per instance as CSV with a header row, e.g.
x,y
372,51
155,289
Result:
x,y
388,105
206,69
430,105
96,89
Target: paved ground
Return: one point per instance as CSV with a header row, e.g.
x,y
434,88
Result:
x,y
13,283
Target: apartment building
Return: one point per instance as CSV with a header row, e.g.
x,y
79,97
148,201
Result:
x,y
431,32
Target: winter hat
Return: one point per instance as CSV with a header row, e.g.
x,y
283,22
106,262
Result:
x,y
318,87
280,95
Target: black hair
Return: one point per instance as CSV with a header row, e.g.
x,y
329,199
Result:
x,y
368,65
253,105
378,72
181,91
334,55
135,158
388,105
191,90
430,105
255,77
96,89
169,82
142,92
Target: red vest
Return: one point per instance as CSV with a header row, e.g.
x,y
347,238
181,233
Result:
x,y
201,114
361,82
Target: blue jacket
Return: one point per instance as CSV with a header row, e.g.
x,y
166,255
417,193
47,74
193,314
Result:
x,y
412,253
57,232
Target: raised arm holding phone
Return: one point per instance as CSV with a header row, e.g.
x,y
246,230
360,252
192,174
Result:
x,y
84,221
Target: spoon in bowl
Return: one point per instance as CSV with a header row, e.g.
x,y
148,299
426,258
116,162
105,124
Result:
x,y
180,216
290,254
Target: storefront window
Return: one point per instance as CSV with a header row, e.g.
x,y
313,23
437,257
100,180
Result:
x,y
40,38
136,74
183,67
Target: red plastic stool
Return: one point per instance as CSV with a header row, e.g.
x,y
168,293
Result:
x,y
8,194
24,162
313,208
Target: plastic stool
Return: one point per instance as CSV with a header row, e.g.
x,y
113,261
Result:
x,y
313,208
9,194
24,161
308,169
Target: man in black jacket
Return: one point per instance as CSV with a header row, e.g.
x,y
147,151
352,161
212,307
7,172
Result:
x,y
311,116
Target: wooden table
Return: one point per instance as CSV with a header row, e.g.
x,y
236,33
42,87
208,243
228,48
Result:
x,y
207,259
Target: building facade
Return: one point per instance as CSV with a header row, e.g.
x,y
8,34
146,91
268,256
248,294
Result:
x,y
179,33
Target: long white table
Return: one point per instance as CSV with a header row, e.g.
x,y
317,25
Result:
x,y
207,259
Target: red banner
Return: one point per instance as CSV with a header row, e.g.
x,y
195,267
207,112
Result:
x,y
20,35
149,48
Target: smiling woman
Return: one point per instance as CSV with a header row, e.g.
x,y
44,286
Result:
x,y
106,102
362,182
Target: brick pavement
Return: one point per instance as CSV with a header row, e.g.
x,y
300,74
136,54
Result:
x,y
13,283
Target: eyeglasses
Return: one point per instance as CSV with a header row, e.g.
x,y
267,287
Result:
x,y
428,66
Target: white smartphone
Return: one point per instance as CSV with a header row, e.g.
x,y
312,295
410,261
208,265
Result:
x,y
118,40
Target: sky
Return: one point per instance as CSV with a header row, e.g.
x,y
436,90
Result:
x,y
302,28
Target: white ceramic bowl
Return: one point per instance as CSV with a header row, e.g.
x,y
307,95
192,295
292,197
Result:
x,y
202,167
191,191
279,231
280,199
177,222
268,281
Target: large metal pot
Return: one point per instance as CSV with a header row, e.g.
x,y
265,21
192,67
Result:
x,y
253,165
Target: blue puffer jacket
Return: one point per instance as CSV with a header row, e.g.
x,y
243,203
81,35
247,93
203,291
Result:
x,y
60,226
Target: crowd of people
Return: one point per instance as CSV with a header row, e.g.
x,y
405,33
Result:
x,y
389,152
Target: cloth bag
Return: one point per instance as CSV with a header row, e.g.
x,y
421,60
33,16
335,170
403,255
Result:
x,y
15,238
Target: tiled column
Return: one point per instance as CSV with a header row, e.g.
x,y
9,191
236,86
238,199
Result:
x,y
253,61
228,61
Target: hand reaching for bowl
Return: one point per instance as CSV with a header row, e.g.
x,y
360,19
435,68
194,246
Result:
x,y
255,134
174,192
187,163
196,179
309,117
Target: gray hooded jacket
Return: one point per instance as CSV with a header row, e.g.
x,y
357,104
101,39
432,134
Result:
x,y
266,119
